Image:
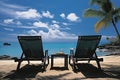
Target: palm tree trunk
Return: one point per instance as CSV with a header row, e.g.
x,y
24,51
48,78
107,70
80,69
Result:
x,y
116,29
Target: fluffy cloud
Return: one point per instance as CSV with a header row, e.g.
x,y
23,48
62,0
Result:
x,y
8,21
53,34
72,17
32,32
62,15
40,24
46,25
47,14
53,31
55,26
31,13
11,22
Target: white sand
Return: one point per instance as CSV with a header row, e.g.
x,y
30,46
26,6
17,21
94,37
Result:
x,y
110,67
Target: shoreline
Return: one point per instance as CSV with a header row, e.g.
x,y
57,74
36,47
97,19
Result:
x,y
110,51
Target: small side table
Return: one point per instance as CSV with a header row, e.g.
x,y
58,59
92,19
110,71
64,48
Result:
x,y
65,56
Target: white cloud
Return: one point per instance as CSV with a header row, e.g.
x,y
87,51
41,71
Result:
x,y
12,22
62,15
26,27
53,21
67,28
10,9
32,32
9,29
8,21
11,6
31,13
40,24
53,34
47,14
72,17
55,26
18,23
65,23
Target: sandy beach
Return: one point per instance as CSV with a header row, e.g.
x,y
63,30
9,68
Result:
x,y
110,67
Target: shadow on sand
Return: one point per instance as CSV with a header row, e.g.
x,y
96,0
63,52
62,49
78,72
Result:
x,y
59,68
27,71
90,71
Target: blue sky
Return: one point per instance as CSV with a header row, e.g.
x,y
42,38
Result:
x,y
54,20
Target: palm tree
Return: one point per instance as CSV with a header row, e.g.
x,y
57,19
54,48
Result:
x,y
107,14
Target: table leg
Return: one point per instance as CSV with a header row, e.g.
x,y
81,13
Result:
x,y
66,61
51,61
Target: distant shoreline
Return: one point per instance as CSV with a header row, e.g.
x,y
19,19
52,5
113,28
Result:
x,y
112,52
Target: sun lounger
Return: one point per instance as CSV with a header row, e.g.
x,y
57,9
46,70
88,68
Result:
x,y
32,50
86,50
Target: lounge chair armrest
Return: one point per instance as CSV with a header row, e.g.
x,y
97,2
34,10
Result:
x,y
46,56
46,53
71,55
71,52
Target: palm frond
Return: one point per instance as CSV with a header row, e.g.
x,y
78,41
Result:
x,y
116,11
93,13
107,7
98,2
117,18
99,25
104,22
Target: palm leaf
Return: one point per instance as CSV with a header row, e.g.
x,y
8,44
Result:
x,y
116,13
117,18
93,13
118,9
104,22
98,2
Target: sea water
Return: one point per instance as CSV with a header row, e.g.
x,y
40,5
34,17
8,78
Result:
x,y
14,50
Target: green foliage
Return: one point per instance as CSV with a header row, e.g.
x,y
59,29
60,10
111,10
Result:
x,y
93,13
107,14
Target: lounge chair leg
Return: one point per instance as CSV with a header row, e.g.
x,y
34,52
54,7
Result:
x,y
44,66
48,59
69,60
44,63
74,60
98,64
28,62
18,66
89,61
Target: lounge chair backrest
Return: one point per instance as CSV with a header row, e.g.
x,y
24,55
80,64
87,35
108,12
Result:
x,y
31,46
86,46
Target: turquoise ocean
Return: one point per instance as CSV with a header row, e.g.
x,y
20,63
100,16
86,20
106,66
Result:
x,y
14,50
